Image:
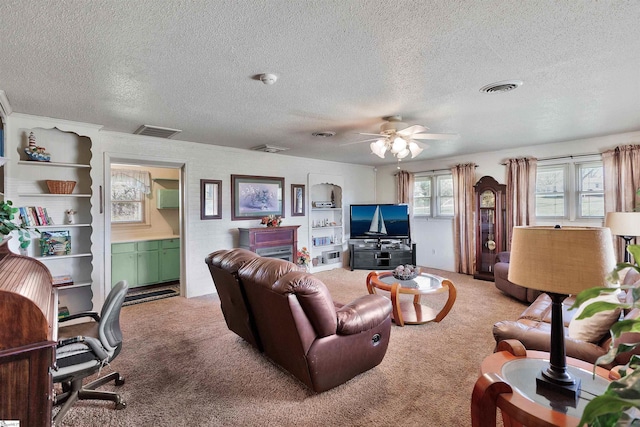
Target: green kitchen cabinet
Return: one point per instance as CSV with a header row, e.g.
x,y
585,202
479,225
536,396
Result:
x,y
169,260
124,263
145,262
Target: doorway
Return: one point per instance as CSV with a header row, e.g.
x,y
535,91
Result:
x,y
144,230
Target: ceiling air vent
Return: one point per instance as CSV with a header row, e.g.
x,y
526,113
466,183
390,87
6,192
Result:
x,y
269,148
156,131
324,134
504,86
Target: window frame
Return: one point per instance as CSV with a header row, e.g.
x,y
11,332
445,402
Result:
x,y
435,198
572,187
144,200
579,166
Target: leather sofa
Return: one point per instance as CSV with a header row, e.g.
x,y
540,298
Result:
x,y
290,316
533,328
500,274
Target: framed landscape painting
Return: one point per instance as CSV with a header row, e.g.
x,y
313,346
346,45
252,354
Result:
x,y
253,197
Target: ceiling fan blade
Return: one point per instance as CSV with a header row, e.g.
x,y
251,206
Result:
x,y
443,136
412,130
358,142
379,135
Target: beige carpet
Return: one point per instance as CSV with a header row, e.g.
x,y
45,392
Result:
x,y
183,367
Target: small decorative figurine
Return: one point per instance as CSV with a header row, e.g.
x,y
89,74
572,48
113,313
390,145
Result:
x,y
70,216
34,152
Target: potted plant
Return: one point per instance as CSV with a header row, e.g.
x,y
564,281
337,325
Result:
x,y
615,406
7,224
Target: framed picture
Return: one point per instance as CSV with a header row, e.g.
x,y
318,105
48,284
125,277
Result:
x,y
297,200
210,199
256,196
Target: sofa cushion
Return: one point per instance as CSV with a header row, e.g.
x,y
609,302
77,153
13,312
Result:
x,y
594,328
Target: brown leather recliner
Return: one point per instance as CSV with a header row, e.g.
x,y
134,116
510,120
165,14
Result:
x,y
299,326
224,265
533,329
501,274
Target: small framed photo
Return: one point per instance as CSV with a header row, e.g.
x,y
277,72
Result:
x,y
297,200
210,199
254,197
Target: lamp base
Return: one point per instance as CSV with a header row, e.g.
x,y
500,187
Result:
x,y
564,393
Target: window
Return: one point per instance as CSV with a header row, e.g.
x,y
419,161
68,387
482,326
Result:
x,y
128,191
427,202
550,191
570,190
590,190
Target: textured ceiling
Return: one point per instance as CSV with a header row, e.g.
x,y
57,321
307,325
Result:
x,y
342,66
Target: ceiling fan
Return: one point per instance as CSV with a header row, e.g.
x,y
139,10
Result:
x,y
400,139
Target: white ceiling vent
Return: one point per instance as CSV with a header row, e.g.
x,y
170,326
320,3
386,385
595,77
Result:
x,y
504,86
157,131
269,148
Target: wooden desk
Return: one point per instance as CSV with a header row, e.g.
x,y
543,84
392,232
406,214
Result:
x,y
522,407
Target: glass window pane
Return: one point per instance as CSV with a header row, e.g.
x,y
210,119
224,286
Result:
x,y
550,180
446,206
591,178
126,212
592,205
551,205
422,206
422,196
445,185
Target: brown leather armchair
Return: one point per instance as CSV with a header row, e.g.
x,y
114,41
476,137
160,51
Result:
x,y
301,329
533,329
500,274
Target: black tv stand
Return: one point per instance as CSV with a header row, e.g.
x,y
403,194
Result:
x,y
380,254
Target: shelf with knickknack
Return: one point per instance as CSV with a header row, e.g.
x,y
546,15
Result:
x,y
58,179
326,222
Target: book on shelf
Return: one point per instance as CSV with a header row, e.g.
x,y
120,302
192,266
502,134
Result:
x,y
33,216
62,280
63,311
55,243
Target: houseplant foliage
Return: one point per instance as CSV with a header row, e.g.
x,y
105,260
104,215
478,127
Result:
x,y
7,224
622,397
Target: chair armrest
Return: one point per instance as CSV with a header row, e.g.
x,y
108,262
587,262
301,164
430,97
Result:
x,y
362,314
503,257
95,316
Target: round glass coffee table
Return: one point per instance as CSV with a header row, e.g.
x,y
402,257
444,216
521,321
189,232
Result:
x,y
413,312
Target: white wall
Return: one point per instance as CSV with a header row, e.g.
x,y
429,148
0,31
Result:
x,y
215,162
434,237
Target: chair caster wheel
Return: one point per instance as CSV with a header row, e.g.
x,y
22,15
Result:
x,y
121,405
120,381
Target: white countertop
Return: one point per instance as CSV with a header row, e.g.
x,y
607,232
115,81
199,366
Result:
x,y
145,239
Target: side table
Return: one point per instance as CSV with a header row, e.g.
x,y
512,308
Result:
x,y
507,382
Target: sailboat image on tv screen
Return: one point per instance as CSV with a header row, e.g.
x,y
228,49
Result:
x,y
377,227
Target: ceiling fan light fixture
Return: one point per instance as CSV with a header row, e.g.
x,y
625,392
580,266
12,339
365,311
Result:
x,y
398,145
378,150
404,153
415,149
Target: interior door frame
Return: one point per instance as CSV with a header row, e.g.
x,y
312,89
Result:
x,y
157,162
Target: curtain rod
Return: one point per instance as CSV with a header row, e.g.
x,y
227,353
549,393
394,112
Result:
x,y
434,170
571,156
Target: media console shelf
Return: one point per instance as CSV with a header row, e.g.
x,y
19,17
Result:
x,y
380,256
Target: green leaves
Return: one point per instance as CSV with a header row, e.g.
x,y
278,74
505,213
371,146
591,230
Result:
x,y
7,215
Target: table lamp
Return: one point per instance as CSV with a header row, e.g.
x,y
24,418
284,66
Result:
x,y
625,225
560,261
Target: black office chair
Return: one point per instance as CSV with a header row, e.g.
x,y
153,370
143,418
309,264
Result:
x,y
81,356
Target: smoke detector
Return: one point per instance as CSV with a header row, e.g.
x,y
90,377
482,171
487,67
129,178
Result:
x,y
268,78
269,148
503,86
156,131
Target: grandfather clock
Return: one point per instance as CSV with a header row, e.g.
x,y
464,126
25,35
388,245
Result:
x,y
490,224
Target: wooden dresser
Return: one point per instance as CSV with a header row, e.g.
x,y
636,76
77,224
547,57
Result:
x,y
28,335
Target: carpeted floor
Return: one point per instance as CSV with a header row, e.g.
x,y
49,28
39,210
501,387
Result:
x,y
183,367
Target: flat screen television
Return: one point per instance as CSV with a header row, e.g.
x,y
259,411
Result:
x,y
380,221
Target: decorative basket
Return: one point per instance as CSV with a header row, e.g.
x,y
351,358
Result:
x,y
60,187
407,272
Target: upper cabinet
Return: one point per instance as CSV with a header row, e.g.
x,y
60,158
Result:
x,y
490,223
62,197
326,222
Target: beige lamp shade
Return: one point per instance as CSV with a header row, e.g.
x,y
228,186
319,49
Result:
x,y
561,260
623,223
